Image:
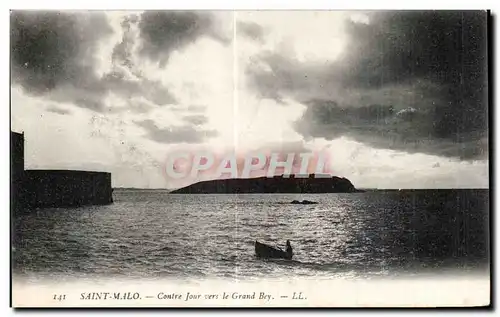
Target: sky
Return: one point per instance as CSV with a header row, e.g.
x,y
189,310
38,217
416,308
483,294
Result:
x,y
397,99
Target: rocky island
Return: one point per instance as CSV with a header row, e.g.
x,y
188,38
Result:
x,y
265,185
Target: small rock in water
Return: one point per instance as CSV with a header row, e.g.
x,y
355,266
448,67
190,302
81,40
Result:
x,y
304,202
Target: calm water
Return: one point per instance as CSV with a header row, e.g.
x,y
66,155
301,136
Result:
x,y
155,234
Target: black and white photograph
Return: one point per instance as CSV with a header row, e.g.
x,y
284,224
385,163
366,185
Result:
x,y
260,158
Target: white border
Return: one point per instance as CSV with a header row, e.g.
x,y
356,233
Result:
x,y
253,5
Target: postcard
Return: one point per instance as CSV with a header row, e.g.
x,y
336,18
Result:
x,y
249,158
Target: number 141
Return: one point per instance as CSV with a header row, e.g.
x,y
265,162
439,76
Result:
x,y
59,297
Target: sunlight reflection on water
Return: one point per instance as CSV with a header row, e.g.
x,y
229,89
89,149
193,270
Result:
x,y
152,233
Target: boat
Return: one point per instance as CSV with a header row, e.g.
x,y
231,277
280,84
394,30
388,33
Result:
x,y
304,202
266,251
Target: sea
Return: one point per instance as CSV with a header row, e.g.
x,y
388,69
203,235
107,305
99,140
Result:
x,y
146,234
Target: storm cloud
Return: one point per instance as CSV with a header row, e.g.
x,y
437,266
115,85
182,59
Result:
x,y
251,30
162,32
196,119
51,49
414,81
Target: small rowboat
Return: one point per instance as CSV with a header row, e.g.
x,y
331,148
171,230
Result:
x,y
266,251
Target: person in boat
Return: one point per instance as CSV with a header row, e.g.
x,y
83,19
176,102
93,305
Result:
x,y
289,250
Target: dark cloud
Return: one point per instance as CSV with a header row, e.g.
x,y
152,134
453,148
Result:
x,y
196,108
151,90
58,110
251,30
175,134
190,109
285,148
122,52
54,55
411,81
165,31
